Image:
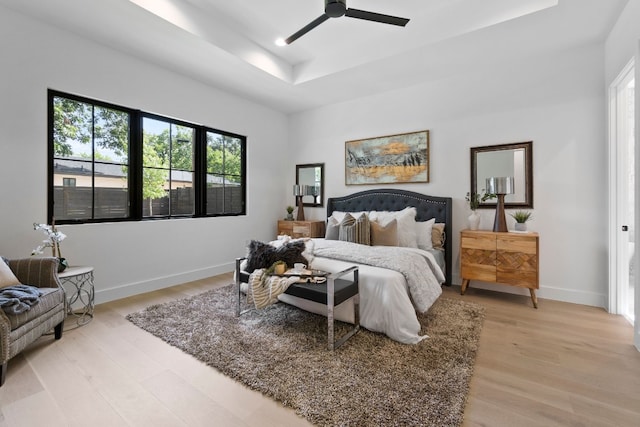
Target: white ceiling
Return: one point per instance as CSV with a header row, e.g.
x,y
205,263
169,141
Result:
x,y
230,44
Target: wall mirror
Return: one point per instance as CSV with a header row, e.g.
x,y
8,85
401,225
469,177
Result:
x,y
312,174
504,160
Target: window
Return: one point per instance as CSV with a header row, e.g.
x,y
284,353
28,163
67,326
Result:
x,y
167,169
111,163
90,142
224,174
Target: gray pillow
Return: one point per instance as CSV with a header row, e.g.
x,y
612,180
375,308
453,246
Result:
x,y
333,229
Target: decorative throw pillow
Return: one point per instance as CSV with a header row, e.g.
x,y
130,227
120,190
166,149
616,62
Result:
x,y
355,230
333,229
423,233
406,224
437,235
384,235
263,255
338,216
7,278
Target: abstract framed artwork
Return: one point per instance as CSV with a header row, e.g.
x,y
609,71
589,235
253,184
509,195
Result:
x,y
389,159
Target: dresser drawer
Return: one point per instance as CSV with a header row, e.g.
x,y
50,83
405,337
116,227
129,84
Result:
x,y
524,244
298,229
478,241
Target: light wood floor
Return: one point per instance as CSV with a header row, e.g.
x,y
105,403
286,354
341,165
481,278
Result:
x,y
560,365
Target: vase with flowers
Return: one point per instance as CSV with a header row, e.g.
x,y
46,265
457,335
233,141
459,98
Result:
x,y
54,237
474,200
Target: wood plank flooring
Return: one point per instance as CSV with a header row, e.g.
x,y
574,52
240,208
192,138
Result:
x,y
560,365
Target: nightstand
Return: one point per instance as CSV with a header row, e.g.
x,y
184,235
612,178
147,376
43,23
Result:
x,y
297,229
506,258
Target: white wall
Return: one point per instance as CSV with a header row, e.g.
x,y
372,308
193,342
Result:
x,y
622,42
137,256
557,101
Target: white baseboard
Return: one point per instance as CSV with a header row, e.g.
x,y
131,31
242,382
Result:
x,y
135,288
575,296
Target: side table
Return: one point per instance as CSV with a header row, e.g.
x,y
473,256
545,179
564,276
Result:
x,y
78,284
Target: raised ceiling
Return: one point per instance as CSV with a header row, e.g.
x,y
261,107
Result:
x,y
230,44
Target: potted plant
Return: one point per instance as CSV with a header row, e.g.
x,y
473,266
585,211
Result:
x,y
474,200
289,213
521,218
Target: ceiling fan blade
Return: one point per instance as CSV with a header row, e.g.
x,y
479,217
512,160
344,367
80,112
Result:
x,y
376,17
304,30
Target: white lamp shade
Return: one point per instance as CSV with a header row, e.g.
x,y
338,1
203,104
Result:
x,y
298,190
500,185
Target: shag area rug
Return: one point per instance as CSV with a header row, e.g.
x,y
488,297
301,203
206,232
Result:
x,y
281,351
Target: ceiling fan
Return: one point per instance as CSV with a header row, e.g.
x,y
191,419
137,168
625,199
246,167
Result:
x,y
338,8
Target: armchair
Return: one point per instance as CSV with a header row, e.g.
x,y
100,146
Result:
x,y
20,330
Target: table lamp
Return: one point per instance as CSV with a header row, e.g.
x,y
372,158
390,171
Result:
x,y
500,186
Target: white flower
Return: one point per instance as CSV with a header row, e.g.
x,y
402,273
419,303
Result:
x,y
54,237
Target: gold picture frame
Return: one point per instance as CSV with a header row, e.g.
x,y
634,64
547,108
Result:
x,y
392,159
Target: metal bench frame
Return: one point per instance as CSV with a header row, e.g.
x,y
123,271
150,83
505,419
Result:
x,y
332,343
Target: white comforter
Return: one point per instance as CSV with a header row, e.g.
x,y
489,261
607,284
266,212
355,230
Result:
x,y
386,300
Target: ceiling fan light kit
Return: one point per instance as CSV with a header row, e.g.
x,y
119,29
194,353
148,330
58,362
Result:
x,y
338,8
335,8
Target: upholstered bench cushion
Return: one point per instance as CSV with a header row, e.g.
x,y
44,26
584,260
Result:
x,y
344,289
50,298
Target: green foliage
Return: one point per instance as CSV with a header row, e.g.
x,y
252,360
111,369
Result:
x,y
111,130
223,154
173,148
521,216
290,209
153,179
70,122
80,122
475,199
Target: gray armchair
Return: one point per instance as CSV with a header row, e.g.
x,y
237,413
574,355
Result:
x,y
19,331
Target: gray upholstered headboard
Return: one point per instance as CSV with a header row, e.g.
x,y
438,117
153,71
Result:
x,y
395,200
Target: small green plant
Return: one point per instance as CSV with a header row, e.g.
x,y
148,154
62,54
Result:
x,y
289,210
521,216
475,199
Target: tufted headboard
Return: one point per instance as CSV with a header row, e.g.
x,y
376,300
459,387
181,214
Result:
x,y
395,200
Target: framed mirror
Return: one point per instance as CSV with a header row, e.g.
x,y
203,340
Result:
x,y
312,174
504,160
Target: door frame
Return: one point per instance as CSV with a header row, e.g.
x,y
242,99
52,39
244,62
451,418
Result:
x,y
615,216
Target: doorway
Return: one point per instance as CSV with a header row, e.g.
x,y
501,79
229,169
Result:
x,y
622,268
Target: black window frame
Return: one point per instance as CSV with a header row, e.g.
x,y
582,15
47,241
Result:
x,y
135,169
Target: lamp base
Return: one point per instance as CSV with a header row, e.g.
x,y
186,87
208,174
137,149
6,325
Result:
x,y
500,222
300,216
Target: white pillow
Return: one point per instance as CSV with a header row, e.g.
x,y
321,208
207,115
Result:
x,y
406,219
7,278
423,232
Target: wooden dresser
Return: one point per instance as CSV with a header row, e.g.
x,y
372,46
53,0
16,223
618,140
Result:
x,y
505,258
297,229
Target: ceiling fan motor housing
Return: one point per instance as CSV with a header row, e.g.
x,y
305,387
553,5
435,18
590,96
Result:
x,y
335,8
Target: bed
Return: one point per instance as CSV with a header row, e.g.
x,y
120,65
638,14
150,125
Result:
x,y
390,295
